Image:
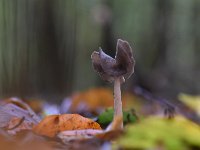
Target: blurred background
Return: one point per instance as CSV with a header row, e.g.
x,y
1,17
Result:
x,y
45,45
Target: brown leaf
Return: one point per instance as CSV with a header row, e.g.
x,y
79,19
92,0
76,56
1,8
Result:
x,y
23,141
36,104
53,124
95,100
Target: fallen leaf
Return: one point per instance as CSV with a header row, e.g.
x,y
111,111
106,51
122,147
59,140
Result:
x,y
109,135
67,136
15,115
23,141
77,135
94,100
36,104
87,144
16,125
191,101
160,133
53,124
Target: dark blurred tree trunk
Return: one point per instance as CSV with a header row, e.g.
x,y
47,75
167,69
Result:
x,y
161,28
37,47
161,19
196,30
108,39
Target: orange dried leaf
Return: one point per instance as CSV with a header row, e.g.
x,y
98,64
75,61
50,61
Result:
x,y
36,104
97,99
53,124
94,99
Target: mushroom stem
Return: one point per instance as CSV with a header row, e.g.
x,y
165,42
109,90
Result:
x,y
118,114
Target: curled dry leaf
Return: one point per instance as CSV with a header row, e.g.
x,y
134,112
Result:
x,y
53,124
16,107
15,115
18,124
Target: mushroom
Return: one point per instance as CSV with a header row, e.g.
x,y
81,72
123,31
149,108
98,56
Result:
x,y
115,70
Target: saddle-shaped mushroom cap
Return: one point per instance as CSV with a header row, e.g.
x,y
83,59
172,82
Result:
x,y
120,66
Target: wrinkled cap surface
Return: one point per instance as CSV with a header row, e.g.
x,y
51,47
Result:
x,y
121,66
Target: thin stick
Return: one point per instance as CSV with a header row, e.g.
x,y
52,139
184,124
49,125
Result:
x,y
118,114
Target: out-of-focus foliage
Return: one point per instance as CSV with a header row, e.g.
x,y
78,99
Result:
x,y
95,100
153,132
92,100
192,101
106,117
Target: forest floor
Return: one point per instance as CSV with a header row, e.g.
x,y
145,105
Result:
x,y
84,120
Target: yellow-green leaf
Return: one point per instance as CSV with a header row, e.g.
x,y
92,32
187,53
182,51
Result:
x,y
191,101
154,132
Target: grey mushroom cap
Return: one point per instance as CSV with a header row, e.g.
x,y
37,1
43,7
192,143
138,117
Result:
x,y
121,66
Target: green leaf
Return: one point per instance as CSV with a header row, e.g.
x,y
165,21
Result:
x,y
106,117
